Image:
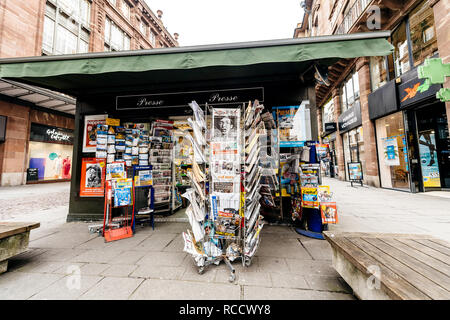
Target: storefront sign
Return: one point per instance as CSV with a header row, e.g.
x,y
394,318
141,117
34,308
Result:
x,y
409,92
92,182
429,160
391,155
355,171
43,133
180,99
350,119
383,101
330,127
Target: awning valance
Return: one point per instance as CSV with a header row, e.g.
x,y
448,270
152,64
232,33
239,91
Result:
x,y
75,74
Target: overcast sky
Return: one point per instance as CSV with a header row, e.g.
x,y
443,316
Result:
x,y
221,21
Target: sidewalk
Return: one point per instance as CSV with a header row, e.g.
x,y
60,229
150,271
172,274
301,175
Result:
x,y
369,209
152,264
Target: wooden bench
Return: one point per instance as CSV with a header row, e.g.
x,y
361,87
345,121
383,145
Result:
x,y
392,266
14,239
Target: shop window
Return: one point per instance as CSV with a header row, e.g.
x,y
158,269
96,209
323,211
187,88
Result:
x,y
392,152
401,50
328,113
423,34
378,72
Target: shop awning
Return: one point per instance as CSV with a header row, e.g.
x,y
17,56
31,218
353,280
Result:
x,y
103,72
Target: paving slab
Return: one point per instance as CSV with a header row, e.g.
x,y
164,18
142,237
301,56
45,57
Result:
x,y
40,267
326,283
119,270
161,259
311,267
21,285
254,279
108,289
97,256
272,264
150,271
127,257
67,288
93,269
156,242
289,280
274,246
153,289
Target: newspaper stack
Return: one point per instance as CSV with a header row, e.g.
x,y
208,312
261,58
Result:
x,y
253,220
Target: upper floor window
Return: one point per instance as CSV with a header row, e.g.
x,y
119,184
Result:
x,y
401,50
78,9
350,92
378,72
328,112
113,2
115,38
143,27
423,33
152,38
62,32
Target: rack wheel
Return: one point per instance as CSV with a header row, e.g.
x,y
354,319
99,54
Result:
x,y
232,277
201,270
247,262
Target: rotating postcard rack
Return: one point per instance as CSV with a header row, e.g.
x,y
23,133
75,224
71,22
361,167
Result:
x,y
225,220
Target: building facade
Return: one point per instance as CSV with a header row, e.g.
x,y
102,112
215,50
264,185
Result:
x,y
36,125
371,111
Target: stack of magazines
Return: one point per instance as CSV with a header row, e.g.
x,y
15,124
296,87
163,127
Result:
x,y
252,181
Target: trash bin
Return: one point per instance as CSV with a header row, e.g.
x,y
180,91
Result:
x,y
314,220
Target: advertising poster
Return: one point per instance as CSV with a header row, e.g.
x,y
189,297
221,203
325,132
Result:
x,y
321,150
90,131
429,160
92,182
391,155
115,170
285,117
328,212
355,171
310,198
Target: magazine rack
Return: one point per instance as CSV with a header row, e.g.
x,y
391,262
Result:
x,y
118,227
211,240
148,212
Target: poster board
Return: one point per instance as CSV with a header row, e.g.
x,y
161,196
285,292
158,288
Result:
x,y
391,154
90,131
355,173
429,160
92,182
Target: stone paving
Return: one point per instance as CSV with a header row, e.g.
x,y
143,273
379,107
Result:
x,y
65,261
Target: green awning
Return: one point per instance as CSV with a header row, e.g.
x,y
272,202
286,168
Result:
x,y
77,74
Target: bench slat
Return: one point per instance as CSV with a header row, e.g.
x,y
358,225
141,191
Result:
x,y
8,229
435,245
427,252
407,273
395,287
407,258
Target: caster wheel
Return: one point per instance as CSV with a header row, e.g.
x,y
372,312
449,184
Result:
x,y
248,262
232,278
201,270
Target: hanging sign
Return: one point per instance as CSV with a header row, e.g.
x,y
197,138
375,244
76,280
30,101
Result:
x,y
350,119
391,155
429,160
92,182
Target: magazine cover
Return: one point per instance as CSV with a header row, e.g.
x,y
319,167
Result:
x,y
226,124
324,194
90,131
329,212
310,198
115,170
227,222
92,182
122,192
